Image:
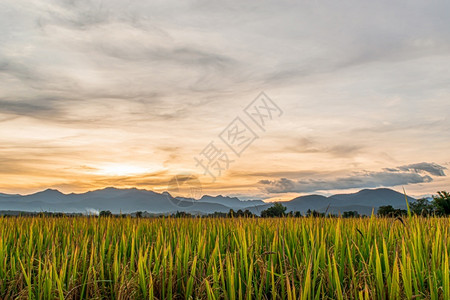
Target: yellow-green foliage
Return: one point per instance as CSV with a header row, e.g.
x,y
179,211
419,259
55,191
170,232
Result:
x,y
304,258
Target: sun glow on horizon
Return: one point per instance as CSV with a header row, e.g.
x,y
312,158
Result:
x,y
119,169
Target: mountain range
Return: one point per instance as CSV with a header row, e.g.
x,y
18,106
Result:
x,y
132,200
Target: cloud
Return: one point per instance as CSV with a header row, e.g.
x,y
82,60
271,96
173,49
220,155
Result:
x,y
368,180
310,145
431,168
359,83
36,107
390,177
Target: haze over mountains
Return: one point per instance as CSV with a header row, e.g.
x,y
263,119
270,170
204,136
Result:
x,y
132,200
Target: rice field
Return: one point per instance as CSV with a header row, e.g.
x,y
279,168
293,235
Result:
x,y
205,258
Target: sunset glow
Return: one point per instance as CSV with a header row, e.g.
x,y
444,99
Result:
x,y
123,95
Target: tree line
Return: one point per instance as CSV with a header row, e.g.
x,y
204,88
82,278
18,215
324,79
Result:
x,y
438,206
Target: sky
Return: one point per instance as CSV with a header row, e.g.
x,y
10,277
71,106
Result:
x,y
96,94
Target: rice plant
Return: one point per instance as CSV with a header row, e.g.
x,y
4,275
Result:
x,y
241,258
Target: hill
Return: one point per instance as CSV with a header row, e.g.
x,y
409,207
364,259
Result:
x,y
132,200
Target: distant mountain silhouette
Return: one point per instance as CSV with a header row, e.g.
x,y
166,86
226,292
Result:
x,y
8,195
119,200
363,201
233,202
132,200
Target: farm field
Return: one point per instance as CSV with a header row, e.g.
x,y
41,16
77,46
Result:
x,y
206,258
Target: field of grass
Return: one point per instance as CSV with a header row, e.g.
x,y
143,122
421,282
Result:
x,y
303,258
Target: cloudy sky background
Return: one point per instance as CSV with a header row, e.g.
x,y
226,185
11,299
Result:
x,y
126,93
